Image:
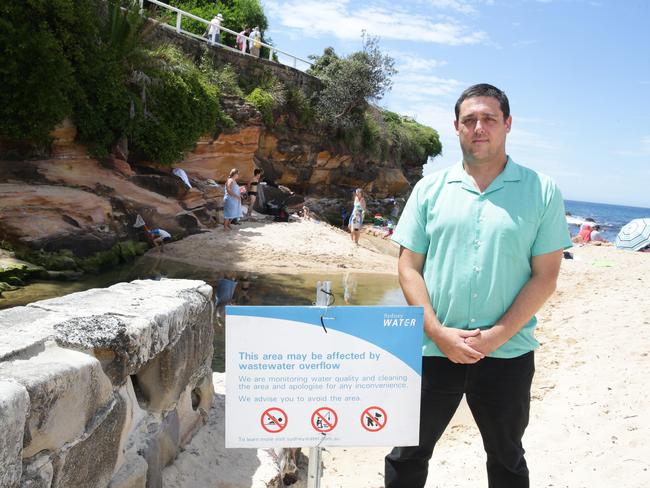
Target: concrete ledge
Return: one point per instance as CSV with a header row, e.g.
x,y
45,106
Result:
x,y
104,387
14,404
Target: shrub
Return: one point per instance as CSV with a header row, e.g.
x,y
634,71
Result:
x,y
350,83
36,75
180,106
297,103
264,102
225,77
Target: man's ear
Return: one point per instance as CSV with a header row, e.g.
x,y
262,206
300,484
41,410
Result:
x,y
508,124
456,126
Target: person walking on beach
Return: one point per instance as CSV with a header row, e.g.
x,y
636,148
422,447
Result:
x,y
356,217
252,189
481,244
231,200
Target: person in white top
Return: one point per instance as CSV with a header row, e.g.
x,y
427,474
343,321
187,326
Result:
x,y
255,42
214,29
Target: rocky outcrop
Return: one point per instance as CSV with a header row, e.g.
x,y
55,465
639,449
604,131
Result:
x,y
102,388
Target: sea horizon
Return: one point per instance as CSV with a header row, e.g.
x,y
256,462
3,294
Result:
x,y
637,207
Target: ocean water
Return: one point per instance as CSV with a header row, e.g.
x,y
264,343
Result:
x,y
610,217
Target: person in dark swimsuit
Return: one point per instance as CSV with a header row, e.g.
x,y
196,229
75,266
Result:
x,y
252,189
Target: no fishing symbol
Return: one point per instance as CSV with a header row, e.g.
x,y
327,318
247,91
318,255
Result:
x,y
324,419
373,419
274,420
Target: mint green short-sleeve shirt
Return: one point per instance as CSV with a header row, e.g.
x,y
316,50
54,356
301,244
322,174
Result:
x,y
479,246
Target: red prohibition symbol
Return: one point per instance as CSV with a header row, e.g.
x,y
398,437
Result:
x,y
274,420
373,419
324,419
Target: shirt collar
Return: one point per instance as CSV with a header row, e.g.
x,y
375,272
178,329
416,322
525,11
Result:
x,y
511,172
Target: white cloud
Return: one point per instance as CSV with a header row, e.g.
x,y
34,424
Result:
x,y
462,6
414,87
345,20
408,63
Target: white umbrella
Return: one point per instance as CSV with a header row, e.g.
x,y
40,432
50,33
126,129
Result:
x,y
634,235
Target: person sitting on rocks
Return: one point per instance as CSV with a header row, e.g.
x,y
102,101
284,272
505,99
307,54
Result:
x,y
158,237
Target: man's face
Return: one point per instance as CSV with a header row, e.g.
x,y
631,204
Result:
x,y
482,130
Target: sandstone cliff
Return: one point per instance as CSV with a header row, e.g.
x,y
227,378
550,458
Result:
x,y
74,202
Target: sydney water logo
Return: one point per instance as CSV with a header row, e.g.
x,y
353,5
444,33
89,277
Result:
x,y
397,320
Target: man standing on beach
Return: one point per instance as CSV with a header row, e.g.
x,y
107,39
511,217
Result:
x,y
481,247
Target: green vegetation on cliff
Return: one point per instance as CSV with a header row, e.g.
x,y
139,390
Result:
x,y
89,60
85,59
344,106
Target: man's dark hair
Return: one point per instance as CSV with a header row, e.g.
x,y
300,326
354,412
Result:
x,y
485,90
257,171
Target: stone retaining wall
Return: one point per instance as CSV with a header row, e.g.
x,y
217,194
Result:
x,y
102,388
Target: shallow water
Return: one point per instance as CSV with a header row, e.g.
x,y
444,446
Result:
x,y
237,288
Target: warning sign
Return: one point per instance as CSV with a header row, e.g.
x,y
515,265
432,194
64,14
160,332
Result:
x,y
274,420
324,419
365,367
373,419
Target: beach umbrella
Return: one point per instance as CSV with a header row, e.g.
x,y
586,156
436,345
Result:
x,y
634,235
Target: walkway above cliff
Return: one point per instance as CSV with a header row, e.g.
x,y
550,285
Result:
x,y
243,63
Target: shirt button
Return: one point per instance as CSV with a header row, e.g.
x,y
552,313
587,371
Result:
x,y
477,243
477,268
472,320
474,295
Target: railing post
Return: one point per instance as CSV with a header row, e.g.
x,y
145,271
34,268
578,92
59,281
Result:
x,y
294,62
179,19
270,54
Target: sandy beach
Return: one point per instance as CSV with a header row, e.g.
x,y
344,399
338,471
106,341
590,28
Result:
x,y
298,246
590,411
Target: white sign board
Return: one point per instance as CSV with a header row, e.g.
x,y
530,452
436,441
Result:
x,y
337,376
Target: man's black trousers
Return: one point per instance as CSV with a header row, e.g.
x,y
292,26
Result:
x,y
498,394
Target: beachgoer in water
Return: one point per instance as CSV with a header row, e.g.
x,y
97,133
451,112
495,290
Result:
x,y
252,189
231,200
356,217
481,277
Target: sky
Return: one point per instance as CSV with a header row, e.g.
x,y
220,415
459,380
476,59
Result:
x,y
576,72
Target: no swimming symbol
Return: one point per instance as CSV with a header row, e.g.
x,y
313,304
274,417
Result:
x,y
274,420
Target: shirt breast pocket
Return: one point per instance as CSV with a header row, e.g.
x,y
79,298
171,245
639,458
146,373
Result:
x,y
516,233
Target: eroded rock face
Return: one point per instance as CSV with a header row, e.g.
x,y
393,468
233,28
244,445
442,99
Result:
x,y
213,159
80,205
69,413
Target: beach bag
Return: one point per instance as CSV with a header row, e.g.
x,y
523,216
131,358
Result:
x,y
257,44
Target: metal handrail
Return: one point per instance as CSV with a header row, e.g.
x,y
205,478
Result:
x,y
182,13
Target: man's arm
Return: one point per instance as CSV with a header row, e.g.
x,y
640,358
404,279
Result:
x,y
540,286
449,340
